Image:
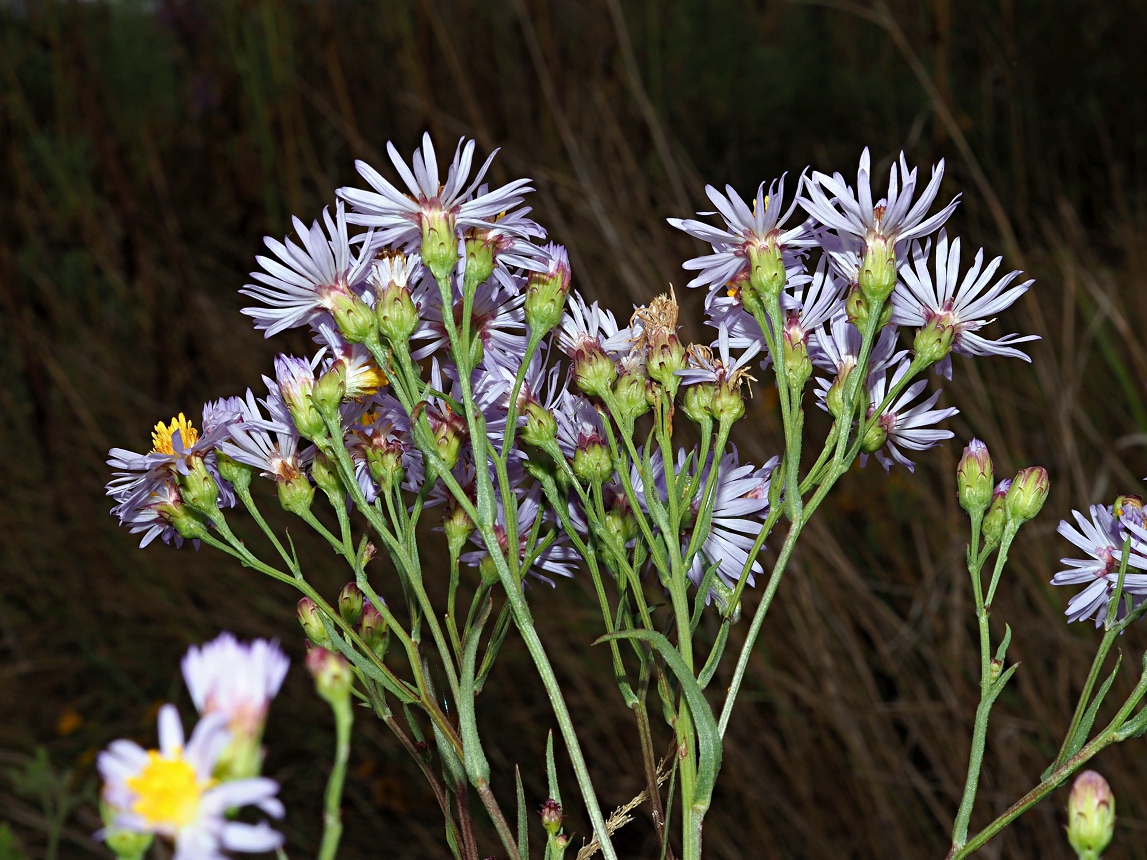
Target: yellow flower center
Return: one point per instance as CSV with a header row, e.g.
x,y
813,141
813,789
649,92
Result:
x,y
168,789
365,382
161,436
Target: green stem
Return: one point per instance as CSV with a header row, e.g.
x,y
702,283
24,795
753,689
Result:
x,y
332,812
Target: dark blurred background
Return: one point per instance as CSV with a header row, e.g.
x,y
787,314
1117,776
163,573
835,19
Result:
x,y
148,146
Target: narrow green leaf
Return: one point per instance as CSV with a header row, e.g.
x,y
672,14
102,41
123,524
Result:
x,y
523,825
708,737
1091,713
551,769
714,656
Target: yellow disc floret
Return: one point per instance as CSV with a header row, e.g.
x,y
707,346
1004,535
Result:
x,y
168,791
161,436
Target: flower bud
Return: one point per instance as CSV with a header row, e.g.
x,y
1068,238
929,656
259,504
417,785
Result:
x,y
125,843
332,674
766,273
325,475
834,397
1090,815
311,621
350,603
878,271
540,428
198,488
933,341
697,402
665,356
798,368
875,435
187,523
728,404
621,522
384,461
457,525
480,247
1027,494
629,396
489,571
997,516
857,306
397,315
296,494
330,389
373,630
233,472
974,478
296,384
592,463
449,431
439,242
593,370
352,315
546,292
552,816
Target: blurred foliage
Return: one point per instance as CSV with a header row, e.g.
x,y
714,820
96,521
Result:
x,y
147,148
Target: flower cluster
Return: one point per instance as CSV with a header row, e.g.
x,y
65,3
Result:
x,y
185,790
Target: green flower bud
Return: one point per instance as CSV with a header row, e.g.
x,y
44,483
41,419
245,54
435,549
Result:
x,y
665,356
330,390
834,397
480,248
798,368
384,461
592,462
630,397
766,274
332,674
124,843
439,242
857,306
933,342
1090,815
350,603
697,402
974,477
489,571
187,523
449,431
1027,494
352,315
296,494
311,621
552,816
397,315
233,472
296,385
593,370
546,292
621,522
728,404
875,435
326,476
997,516
373,630
541,428
878,270
457,525
198,488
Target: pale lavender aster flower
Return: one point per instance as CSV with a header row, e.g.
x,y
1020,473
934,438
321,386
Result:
x,y
363,375
745,229
894,219
171,792
383,425
586,325
149,512
305,282
398,215
907,426
1101,538
965,305
579,424
236,679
